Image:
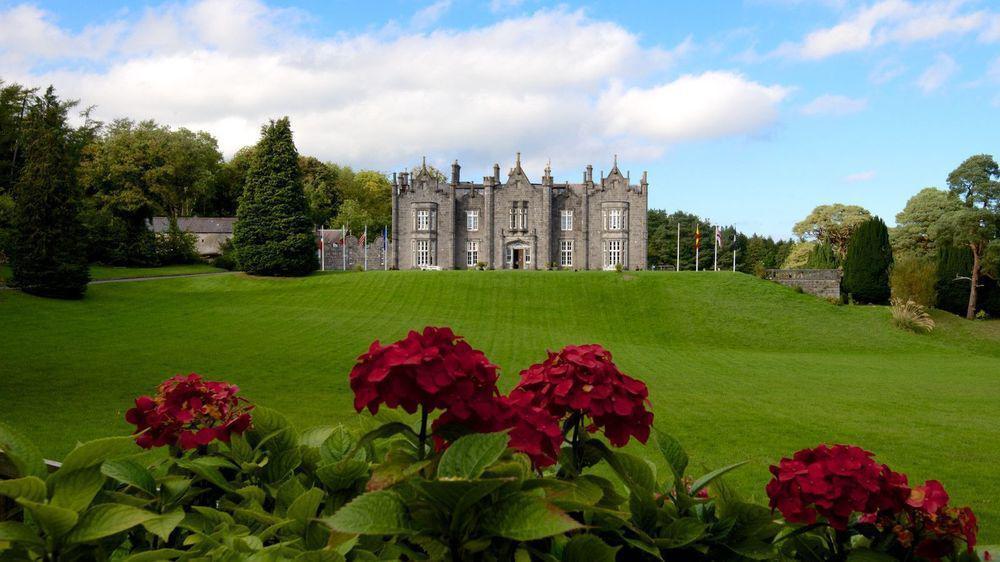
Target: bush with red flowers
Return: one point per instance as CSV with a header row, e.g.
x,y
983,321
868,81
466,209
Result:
x,y
188,412
856,496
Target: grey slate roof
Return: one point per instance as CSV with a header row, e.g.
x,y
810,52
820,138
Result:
x,y
197,225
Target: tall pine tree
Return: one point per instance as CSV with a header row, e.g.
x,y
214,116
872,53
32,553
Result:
x,y
273,233
866,267
49,248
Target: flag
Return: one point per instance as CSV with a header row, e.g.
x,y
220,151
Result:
x,y
364,238
718,236
697,237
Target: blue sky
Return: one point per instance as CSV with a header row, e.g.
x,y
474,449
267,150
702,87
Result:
x,y
748,112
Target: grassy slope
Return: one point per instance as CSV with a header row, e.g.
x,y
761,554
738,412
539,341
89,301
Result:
x,y
737,367
98,272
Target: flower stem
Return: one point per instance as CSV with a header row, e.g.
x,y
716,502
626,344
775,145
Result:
x,y
423,433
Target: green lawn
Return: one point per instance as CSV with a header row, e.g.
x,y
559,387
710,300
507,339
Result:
x,y
99,272
738,368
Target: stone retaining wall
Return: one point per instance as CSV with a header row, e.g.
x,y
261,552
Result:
x,y
824,283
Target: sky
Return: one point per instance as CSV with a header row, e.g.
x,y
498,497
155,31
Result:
x,y
748,112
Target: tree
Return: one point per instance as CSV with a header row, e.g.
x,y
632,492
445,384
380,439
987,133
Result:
x,y
833,224
367,200
798,257
48,251
869,259
977,223
13,104
323,183
134,171
273,234
224,198
912,235
822,257
661,244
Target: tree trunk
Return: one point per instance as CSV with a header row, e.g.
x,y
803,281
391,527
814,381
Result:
x,y
970,313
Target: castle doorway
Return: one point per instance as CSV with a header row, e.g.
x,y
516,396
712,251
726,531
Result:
x,y
518,259
518,256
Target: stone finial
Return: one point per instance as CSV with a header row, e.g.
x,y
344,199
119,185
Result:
x,y
518,160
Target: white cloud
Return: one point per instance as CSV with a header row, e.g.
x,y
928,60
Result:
x,y
430,14
886,71
889,22
502,5
992,32
712,104
830,104
867,175
553,84
937,73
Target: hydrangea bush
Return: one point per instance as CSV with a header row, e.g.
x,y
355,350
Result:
x,y
536,474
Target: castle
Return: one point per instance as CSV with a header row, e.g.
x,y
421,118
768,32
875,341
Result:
x,y
518,224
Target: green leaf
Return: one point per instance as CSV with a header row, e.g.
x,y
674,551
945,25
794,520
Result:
x,y
469,456
671,450
589,548
320,556
337,445
457,495
77,488
383,431
315,436
705,480
392,472
17,532
163,525
281,463
30,488
93,453
21,453
131,473
155,555
303,509
524,517
55,521
342,474
868,555
374,513
105,520
206,470
273,426
681,532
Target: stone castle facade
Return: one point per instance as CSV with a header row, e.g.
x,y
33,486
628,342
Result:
x,y
518,224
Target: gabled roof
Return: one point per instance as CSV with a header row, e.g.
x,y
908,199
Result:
x,y
197,225
517,173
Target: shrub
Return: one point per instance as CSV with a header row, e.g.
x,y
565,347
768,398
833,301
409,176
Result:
x,y
464,491
176,246
911,316
866,267
273,231
227,258
618,267
914,279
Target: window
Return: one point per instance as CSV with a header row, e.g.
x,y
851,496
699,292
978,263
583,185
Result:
x,y
566,220
423,219
424,255
566,253
472,220
614,253
614,219
519,215
472,253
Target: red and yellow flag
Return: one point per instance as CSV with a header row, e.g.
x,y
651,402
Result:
x,y
697,237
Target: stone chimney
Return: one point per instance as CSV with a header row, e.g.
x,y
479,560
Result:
x,y
455,173
496,173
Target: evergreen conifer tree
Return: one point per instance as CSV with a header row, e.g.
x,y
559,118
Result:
x,y
822,257
273,234
954,269
866,267
49,246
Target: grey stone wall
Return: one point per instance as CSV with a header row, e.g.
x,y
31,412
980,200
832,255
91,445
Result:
x,y
823,283
332,256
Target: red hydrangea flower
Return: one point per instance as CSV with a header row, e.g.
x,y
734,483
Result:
x,y
929,498
835,483
584,379
188,411
435,369
536,433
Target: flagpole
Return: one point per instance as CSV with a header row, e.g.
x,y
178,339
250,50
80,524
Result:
x,y
385,248
678,245
715,251
343,245
697,245
322,250
365,247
